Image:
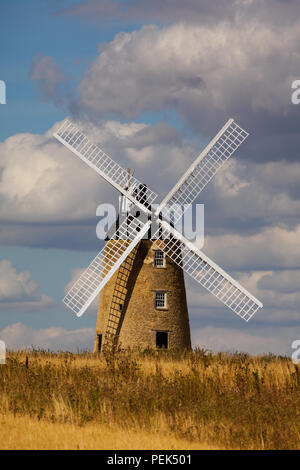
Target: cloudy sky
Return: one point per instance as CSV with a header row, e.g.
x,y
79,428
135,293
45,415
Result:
x,y
151,81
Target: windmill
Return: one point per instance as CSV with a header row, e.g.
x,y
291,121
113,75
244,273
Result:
x,y
119,254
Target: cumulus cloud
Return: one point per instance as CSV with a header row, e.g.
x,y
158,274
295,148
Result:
x,y
42,182
248,196
278,307
270,262
272,248
240,64
19,336
195,69
212,60
19,292
276,341
219,59
49,197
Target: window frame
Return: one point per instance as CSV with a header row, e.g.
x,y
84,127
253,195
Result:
x,y
163,265
156,300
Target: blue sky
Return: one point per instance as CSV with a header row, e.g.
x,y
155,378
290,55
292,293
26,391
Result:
x,y
28,28
151,82
33,27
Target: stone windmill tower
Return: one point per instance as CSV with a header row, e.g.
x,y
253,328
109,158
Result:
x,y
144,304
143,300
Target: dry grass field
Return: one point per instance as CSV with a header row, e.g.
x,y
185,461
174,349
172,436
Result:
x,y
149,400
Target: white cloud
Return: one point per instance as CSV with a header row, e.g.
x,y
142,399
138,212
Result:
x,y
272,248
266,193
281,305
19,292
245,66
19,336
276,341
41,181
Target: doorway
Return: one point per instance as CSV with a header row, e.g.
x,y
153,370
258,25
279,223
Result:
x,y
99,342
162,339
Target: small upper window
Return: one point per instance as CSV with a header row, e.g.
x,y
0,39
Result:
x,y
160,299
159,258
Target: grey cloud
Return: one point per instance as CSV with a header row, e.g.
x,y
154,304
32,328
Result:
x,y
167,11
206,74
158,134
68,236
102,9
49,77
282,281
19,336
241,65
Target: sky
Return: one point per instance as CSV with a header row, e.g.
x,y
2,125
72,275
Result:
x,y
151,82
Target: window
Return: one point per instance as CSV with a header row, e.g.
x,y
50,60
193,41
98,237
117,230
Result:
x,y
162,339
160,299
159,258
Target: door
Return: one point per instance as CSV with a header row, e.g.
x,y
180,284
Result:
x,y
162,339
99,342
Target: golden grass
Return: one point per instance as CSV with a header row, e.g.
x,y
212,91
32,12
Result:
x,y
150,400
26,433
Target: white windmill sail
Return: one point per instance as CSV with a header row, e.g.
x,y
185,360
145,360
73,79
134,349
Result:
x,y
124,203
131,231
195,263
76,141
104,265
199,174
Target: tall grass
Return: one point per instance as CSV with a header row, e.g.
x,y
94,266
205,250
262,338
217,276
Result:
x,y
230,401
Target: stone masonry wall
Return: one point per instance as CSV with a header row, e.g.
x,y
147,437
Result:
x,y
140,320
